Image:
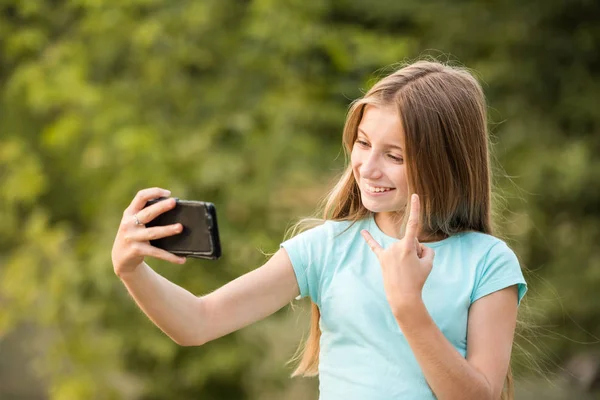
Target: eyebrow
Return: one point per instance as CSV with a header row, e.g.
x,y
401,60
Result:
x,y
393,146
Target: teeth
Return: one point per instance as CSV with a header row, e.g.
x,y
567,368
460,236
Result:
x,y
377,189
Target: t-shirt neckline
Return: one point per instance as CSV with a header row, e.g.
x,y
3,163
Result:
x,y
374,227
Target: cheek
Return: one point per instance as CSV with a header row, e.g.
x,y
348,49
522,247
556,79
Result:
x,y
399,175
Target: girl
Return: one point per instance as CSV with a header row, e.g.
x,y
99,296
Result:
x,y
413,298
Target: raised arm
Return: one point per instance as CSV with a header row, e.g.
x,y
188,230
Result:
x,y
188,319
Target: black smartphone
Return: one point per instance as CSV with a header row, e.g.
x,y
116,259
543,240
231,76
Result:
x,y
200,235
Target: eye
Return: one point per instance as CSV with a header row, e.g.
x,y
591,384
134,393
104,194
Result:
x,y
362,143
397,159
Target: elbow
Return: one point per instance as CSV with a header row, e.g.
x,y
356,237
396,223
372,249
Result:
x,y
490,396
487,392
478,394
479,390
195,334
188,342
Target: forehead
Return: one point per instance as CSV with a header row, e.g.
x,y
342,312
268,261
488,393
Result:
x,y
381,124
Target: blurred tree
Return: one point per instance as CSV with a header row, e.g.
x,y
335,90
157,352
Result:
x,y
242,103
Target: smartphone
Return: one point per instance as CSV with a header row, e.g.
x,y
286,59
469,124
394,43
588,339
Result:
x,y
200,235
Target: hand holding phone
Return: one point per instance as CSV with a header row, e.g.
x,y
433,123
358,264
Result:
x,y
200,235
143,225
132,242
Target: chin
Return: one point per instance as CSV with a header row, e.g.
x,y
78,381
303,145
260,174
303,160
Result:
x,y
378,207
375,207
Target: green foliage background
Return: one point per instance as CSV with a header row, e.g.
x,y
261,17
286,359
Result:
x,y
242,103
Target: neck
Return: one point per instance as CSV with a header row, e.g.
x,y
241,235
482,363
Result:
x,y
390,224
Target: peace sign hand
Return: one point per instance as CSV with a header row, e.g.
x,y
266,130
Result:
x,y
405,265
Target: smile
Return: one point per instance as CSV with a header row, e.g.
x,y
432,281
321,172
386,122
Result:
x,y
374,189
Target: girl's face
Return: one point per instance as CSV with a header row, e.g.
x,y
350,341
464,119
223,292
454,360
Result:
x,y
378,160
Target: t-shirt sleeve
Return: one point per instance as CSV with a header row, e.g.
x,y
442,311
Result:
x,y
308,252
500,269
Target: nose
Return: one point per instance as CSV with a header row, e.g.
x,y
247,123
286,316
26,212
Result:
x,y
370,167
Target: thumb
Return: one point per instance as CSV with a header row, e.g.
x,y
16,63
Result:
x,y
377,249
419,248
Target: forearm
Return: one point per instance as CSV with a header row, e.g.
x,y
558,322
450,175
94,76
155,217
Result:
x,y
176,311
447,372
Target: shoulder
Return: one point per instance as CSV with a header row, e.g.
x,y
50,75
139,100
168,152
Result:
x,y
332,227
347,232
311,231
480,238
484,244
342,227
497,266
492,255
483,251
325,233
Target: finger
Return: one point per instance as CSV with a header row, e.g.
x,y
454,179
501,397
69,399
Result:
x,y
142,197
412,227
419,248
149,250
149,213
377,249
155,232
428,255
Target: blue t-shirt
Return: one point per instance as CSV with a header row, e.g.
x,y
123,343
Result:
x,y
363,353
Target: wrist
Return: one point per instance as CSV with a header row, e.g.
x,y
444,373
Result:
x,y
408,307
130,274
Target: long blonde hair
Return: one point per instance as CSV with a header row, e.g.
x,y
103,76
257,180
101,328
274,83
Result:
x,y
443,114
